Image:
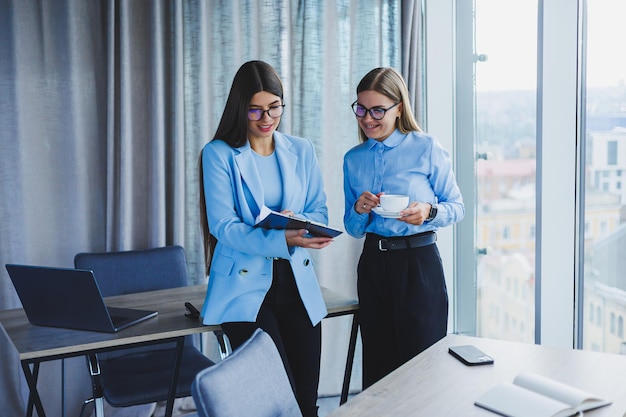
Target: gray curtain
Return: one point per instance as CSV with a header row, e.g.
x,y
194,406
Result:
x,y
321,49
105,105
412,54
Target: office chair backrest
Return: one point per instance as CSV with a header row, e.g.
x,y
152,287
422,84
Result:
x,y
128,272
250,382
142,374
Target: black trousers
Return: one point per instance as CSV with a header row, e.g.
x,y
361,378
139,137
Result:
x,y
403,305
284,318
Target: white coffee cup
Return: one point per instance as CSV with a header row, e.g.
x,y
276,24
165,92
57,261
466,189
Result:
x,y
394,202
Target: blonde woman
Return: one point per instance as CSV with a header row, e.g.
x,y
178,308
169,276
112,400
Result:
x,y
401,286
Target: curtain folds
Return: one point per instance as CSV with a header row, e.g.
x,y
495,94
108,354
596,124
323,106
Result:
x,y
412,54
145,146
106,104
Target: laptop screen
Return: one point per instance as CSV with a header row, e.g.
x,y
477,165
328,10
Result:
x,y
67,298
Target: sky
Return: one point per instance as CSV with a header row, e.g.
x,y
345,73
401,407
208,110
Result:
x,y
506,31
606,61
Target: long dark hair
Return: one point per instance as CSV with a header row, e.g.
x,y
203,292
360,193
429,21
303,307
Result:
x,y
209,241
251,78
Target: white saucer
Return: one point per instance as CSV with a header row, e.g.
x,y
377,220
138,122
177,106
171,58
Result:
x,y
387,214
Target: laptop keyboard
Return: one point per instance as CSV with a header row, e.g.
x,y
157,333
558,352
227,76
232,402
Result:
x,y
119,319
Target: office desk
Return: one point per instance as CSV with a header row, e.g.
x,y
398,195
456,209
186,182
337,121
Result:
x,y
435,384
36,344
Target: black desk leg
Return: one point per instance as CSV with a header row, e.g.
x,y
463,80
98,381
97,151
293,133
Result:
x,y
29,410
33,397
350,360
96,385
169,409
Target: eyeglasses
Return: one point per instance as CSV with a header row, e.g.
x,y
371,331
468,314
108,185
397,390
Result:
x,y
274,112
377,113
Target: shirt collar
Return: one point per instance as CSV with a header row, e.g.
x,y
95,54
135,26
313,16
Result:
x,y
391,142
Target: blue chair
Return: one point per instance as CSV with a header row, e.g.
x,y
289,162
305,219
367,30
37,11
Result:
x,y
141,375
251,381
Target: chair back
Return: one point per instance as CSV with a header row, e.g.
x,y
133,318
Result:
x,y
134,271
128,272
250,382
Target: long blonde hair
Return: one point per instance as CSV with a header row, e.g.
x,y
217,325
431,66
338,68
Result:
x,y
388,82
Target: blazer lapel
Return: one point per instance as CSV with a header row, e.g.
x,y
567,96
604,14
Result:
x,y
288,162
251,178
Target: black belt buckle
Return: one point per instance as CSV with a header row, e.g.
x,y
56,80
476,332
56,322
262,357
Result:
x,y
380,245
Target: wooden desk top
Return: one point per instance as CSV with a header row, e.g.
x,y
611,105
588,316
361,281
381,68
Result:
x,y
36,342
435,384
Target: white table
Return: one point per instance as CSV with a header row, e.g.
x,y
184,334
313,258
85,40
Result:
x,y
435,384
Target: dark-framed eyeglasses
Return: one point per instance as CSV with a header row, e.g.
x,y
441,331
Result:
x,y
377,113
274,112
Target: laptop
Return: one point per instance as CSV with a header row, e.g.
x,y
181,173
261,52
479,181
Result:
x,y
69,298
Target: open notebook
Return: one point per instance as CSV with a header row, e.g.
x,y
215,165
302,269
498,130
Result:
x,y
533,395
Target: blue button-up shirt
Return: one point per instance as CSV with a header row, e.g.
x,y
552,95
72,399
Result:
x,y
414,164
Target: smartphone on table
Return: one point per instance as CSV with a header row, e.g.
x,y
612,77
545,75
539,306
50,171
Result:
x,y
470,355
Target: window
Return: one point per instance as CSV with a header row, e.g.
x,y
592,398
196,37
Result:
x,y
591,311
505,88
560,191
605,133
612,328
611,155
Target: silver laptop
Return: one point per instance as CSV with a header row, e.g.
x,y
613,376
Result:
x,y
69,298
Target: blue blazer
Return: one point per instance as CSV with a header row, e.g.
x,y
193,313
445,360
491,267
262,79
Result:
x,y
241,270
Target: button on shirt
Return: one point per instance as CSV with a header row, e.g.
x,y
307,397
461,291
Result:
x,y
414,164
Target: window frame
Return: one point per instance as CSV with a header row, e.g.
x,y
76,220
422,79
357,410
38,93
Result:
x,y
450,107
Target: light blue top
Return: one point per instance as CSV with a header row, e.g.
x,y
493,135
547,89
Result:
x,y
414,164
241,270
270,176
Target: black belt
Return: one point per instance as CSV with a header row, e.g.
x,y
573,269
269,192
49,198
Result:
x,y
401,242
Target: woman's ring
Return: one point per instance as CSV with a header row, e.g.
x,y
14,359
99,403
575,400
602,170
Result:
x,y
364,205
